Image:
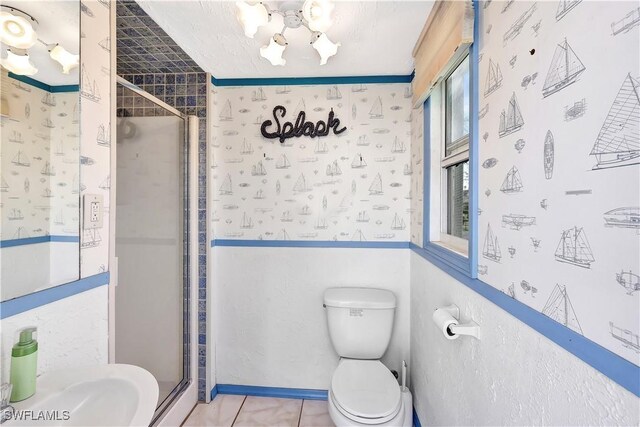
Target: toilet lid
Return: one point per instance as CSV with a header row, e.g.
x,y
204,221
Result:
x,y
366,389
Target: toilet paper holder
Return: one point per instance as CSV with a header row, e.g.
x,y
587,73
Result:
x,y
469,328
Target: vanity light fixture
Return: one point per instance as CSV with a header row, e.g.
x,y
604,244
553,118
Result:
x,y
18,62
315,15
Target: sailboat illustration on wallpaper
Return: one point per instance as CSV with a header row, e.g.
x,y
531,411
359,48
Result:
x,y
47,170
618,143
626,337
47,123
15,215
20,159
510,120
512,182
321,224
59,219
333,93
89,87
258,169
246,221
363,216
494,79
91,238
629,280
559,308
358,236
102,138
564,7
16,137
629,21
226,189
376,109
574,248
491,248
334,169
321,147
358,162
398,223
283,162
358,88
258,95
301,185
548,155
49,99
300,107
226,115
564,69
4,186
21,233
246,148
398,146
375,189
76,114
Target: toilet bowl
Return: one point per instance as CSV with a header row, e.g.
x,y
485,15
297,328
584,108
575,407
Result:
x,y
365,393
363,390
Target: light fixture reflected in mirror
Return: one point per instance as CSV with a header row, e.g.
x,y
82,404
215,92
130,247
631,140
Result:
x,y
318,14
18,62
68,60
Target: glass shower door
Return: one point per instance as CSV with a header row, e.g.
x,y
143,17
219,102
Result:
x,y
151,297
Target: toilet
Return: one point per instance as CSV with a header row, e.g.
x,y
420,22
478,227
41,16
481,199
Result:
x,y
363,391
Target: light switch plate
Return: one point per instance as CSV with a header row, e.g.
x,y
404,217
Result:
x,y
92,211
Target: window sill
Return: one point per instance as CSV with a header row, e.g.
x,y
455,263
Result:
x,y
449,256
450,246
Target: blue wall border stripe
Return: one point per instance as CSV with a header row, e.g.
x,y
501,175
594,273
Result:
x,y
608,363
297,81
44,86
308,244
34,240
282,392
28,302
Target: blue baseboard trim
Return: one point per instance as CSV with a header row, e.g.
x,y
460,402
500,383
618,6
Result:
x,y
44,86
297,81
40,239
416,420
37,299
608,363
214,392
308,244
282,392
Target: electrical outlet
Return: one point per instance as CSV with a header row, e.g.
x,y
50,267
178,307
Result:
x,y
92,209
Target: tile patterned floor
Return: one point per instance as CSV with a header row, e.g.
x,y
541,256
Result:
x,y
250,411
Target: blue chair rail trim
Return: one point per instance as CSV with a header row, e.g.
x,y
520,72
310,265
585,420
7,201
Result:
x,y
282,392
608,363
297,81
44,86
416,420
29,302
308,244
35,240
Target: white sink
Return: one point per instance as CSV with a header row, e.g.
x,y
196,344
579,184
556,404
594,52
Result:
x,y
105,395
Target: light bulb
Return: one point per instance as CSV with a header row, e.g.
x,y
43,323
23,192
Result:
x,y
318,14
325,47
252,17
273,52
68,60
18,63
16,31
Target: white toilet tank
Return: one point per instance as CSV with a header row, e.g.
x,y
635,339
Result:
x,y
360,321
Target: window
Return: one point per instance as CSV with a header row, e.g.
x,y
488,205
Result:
x,y
455,159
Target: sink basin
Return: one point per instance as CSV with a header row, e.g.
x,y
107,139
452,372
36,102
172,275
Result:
x,y
105,395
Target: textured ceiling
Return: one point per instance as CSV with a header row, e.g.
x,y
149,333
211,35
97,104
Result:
x,y
144,47
377,38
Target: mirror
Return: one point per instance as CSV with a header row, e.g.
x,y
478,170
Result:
x,y
40,146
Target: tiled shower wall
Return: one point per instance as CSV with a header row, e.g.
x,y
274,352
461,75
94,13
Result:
x,y
187,92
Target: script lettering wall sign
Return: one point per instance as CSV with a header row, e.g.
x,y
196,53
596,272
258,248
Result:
x,y
301,127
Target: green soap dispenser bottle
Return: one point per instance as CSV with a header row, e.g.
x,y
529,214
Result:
x,y
24,363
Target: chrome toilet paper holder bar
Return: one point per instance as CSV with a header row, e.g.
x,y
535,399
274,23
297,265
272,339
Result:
x,y
470,328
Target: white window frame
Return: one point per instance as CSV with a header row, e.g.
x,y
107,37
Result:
x,y
439,164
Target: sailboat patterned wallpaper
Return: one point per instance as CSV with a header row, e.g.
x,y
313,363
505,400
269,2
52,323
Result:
x,y
560,163
95,160
40,171
348,187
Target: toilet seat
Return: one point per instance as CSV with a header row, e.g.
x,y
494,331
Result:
x,y
365,391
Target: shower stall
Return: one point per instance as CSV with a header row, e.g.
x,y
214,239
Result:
x,y
153,302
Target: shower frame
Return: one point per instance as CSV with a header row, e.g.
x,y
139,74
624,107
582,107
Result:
x,y
184,396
